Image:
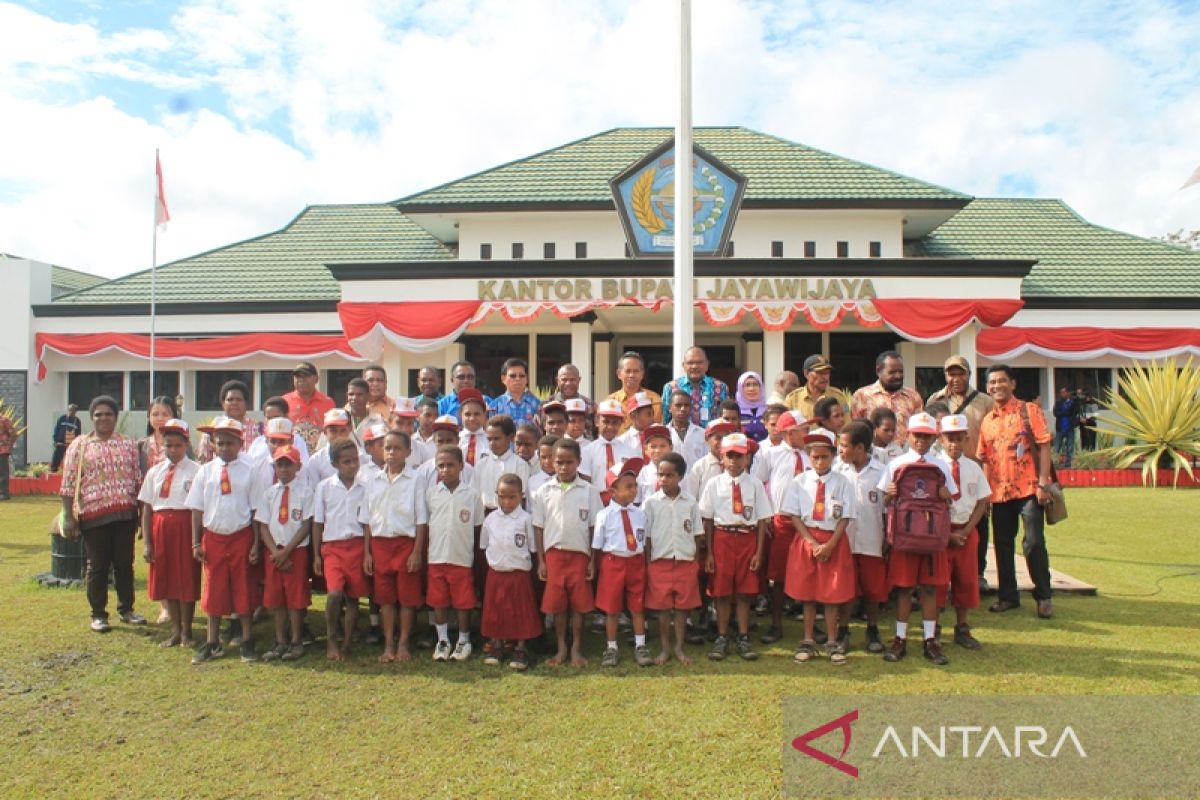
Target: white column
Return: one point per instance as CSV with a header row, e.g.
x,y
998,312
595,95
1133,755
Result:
x,y
581,353
908,352
824,348
1049,387
392,362
772,357
963,344
602,368
753,359
684,313
536,380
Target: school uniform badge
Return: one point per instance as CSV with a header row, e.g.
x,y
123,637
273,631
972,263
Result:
x,y
464,515
836,510
295,515
640,535
687,526
748,512
519,539
583,515
187,486
972,489
873,495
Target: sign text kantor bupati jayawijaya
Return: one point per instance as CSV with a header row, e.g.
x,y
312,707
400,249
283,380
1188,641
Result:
x,y
652,289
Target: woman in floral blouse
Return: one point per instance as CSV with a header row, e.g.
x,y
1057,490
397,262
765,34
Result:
x,y
101,478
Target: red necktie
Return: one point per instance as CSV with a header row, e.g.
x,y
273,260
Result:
x,y
954,474
739,508
630,539
471,449
799,463
226,486
283,505
819,502
608,457
166,487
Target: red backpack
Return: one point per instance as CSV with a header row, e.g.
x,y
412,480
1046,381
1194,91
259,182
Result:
x,y
919,520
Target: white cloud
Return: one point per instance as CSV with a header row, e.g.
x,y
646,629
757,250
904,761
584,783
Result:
x,y
359,101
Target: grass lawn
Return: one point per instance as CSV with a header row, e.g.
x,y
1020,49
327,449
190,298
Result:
x,y
89,716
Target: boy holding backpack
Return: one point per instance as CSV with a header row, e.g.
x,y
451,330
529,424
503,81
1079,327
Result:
x,y
913,488
967,508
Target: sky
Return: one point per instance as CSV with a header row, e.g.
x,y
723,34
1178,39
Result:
x,y
262,108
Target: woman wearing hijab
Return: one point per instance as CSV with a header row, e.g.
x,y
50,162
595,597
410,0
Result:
x,y
753,405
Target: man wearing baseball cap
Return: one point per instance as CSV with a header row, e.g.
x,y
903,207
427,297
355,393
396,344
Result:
x,y
817,370
306,404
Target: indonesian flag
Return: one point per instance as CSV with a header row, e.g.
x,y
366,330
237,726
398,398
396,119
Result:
x,y
1192,180
161,215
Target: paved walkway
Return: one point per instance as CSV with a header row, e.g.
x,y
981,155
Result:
x,y
1059,581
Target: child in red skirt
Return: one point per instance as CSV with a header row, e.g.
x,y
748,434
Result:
x,y
284,523
967,507
865,531
776,467
564,510
618,542
735,509
450,517
907,571
673,531
223,539
820,564
167,526
341,517
509,610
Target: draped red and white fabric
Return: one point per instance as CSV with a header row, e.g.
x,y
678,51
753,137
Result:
x,y
217,350
418,326
1081,343
927,321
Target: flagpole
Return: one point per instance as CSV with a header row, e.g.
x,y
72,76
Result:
x,y
158,201
684,320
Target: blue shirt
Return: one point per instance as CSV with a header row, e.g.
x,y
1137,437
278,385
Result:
x,y
706,398
523,410
449,405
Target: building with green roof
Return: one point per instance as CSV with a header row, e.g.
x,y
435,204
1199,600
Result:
x,y
558,257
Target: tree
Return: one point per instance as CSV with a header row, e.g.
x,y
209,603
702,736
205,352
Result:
x,y
1190,240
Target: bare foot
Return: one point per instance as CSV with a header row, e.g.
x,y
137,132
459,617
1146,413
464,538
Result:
x,y
662,658
387,657
682,656
557,659
188,642
345,652
332,652
577,659
403,653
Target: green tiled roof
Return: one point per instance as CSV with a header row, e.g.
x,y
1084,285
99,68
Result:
x,y
72,280
1075,258
776,170
288,264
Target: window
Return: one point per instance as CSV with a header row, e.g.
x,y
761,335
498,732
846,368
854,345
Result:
x,y
1029,384
273,383
853,356
796,348
208,387
165,383
487,353
336,381
843,249
553,350
82,387
930,380
518,250
810,249
485,252
581,249
548,250
776,249
876,250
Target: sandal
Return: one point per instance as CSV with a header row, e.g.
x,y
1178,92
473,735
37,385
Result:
x,y
275,653
807,651
837,655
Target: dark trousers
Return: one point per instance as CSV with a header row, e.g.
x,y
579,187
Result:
x,y
109,547
984,531
4,473
56,460
1032,517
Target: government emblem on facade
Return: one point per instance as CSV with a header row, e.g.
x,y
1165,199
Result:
x,y
645,198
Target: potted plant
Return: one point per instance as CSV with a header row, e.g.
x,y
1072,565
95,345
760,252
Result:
x,y
1155,421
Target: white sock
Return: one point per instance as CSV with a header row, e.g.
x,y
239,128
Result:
x,y
612,644
443,631
902,630
375,620
639,640
464,636
929,626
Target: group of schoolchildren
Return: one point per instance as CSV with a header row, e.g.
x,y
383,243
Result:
x,y
530,529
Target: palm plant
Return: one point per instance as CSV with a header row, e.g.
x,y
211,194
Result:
x,y
1156,415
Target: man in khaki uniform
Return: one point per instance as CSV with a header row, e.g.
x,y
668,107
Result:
x,y
816,376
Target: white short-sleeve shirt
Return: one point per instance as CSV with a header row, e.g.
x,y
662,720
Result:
x,y
800,499
223,513
507,540
865,531
672,525
776,468
609,533
973,486
691,445
700,473
181,484
488,469
717,501
342,511
566,515
595,457
299,509
452,517
394,502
